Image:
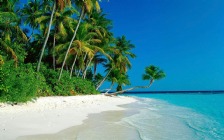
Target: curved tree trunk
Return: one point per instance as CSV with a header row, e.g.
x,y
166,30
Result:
x,y
70,44
94,71
73,65
46,39
79,72
103,80
129,89
84,73
111,86
31,35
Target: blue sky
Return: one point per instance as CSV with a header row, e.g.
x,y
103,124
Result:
x,y
185,38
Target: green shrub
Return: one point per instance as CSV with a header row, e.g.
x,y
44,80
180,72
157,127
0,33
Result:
x,y
43,88
67,86
23,84
17,84
82,86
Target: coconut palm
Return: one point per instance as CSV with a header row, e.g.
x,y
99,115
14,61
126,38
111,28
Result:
x,y
82,46
98,59
63,28
30,12
123,53
47,36
101,25
57,4
152,73
12,37
86,6
110,66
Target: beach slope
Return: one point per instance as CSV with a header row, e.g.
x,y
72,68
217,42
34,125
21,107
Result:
x,y
52,114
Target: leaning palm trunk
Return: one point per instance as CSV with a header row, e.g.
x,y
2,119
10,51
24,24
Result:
x,y
136,87
30,36
46,39
81,68
100,84
84,73
94,71
70,44
73,65
79,72
111,86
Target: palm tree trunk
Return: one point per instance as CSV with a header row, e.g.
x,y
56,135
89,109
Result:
x,y
73,65
84,74
111,86
54,53
66,66
79,73
103,79
30,35
129,89
46,39
94,71
76,29
80,68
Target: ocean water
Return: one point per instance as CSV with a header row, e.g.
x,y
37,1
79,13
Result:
x,y
179,116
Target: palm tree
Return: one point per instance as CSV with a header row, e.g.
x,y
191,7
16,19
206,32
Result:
x,y
56,4
101,26
30,13
123,53
110,67
122,80
98,59
47,36
120,54
82,46
152,73
12,37
86,7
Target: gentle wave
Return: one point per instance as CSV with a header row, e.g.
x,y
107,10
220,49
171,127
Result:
x,y
162,120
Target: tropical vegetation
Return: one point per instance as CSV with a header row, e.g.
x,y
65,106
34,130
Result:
x,y
54,47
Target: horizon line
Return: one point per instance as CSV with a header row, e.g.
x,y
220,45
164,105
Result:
x,y
179,91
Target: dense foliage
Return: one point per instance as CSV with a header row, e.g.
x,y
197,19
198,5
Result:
x,y
50,48
18,84
53,48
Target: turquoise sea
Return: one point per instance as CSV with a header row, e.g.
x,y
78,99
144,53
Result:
x,y
179,116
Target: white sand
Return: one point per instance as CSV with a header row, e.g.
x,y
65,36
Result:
x,y
53,114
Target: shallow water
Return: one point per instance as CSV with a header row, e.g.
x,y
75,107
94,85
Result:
x,y
179,116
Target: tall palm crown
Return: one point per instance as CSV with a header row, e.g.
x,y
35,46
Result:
x,y
86,6
153,73
12,37
123,53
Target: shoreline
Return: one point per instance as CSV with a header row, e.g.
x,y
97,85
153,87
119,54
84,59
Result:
x,y
49,115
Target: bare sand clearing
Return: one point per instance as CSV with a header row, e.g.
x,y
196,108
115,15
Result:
x,y
48,115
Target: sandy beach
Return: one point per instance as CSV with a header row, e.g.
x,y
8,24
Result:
x,y
48,115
